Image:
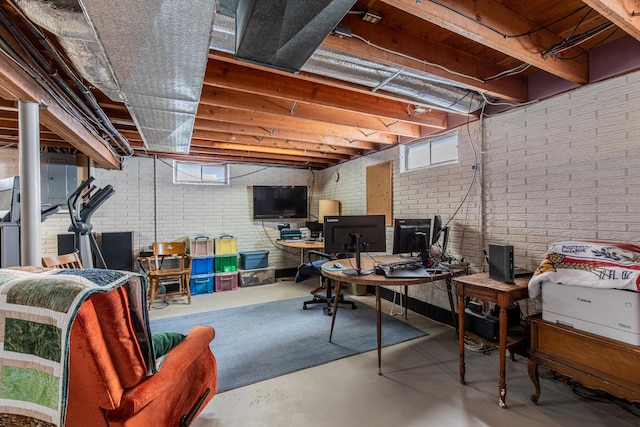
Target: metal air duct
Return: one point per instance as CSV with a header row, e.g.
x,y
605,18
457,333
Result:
x,y
149,54
283,34
419,88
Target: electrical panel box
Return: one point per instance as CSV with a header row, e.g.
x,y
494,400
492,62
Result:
x,y
58,177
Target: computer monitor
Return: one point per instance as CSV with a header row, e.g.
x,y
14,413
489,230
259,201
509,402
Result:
x,y
439,236
411,235
355,234
436,229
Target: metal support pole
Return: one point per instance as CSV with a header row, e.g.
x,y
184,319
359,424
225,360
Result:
x,y
29,162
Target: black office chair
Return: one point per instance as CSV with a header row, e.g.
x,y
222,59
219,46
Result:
x,y
314,268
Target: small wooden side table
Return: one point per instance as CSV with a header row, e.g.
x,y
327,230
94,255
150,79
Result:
x,y
482,287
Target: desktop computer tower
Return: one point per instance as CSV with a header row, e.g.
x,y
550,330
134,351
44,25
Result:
x,y
501,263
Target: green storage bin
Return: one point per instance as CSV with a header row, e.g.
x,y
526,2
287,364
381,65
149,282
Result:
x,y
226,263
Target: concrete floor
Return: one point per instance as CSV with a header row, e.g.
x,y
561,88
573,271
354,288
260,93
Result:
x,y
420,384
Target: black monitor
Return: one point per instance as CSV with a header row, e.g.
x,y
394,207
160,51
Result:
x,y
355,234
411,235
10,199
436,229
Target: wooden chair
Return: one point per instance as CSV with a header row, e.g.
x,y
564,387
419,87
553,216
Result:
x,y
62,261
177,251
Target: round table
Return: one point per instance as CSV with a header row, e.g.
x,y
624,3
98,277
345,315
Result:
x,y
367,263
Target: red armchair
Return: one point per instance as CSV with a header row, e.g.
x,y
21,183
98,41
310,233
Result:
x,y
109,384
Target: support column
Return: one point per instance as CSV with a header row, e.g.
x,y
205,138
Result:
x,y
29,162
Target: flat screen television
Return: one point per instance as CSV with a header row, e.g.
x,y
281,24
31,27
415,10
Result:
x,y
280,202
355,234
411,235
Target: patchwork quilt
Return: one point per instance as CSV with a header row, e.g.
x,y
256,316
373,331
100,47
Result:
x,y
37,309
596,264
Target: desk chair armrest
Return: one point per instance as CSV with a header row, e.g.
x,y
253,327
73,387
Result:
x,y
318,254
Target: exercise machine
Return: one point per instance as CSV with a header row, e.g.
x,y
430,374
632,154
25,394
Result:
x,y
82,204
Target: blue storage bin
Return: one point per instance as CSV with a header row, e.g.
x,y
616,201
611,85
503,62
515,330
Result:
x,y
250,260
202,284
202,265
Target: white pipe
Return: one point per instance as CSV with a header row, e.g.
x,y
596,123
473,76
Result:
x,y
29,162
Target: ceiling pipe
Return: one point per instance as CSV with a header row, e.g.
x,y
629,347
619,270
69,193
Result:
x,y
418,88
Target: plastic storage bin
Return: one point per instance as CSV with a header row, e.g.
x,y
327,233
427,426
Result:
x,y
202,265
254,259
201,284
226,282
226,263
226,244
259,276
201,245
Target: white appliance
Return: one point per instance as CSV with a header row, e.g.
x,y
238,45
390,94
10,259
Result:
x,y
611,313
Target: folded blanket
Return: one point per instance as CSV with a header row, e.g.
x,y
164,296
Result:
x,y
37,309
596,264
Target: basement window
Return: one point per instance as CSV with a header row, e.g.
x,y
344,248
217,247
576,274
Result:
x,y
200,173
430,152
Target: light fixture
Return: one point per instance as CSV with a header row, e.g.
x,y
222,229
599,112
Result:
x,y
372,16
419,109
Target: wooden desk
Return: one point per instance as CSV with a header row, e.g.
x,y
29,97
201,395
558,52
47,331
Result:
x,y
373,279
302,245
594,361
482,287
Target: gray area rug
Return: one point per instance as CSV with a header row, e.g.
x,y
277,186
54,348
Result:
x,y
261,341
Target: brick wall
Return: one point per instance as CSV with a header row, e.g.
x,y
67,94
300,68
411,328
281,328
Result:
x,y
563,168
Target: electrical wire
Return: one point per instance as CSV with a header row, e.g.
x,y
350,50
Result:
x,y
58,90
393,305
100,122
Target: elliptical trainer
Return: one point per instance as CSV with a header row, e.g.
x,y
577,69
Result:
x,y
82,203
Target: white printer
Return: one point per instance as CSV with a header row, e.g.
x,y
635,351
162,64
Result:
x,y
611,313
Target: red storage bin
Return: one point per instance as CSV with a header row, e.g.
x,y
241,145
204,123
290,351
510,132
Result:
x,y
226,281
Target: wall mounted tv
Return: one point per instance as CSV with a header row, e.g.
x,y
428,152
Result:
x,y
279,202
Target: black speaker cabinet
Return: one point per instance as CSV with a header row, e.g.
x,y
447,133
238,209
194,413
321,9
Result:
x,y
117,250
66,243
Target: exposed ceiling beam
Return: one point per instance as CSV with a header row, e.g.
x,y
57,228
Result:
x,y
269,121
267,83
282,134
222,138
621,13
402,49
493,25
22,87
238,156
278,107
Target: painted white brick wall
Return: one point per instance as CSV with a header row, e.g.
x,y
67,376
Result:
x,y
563,168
